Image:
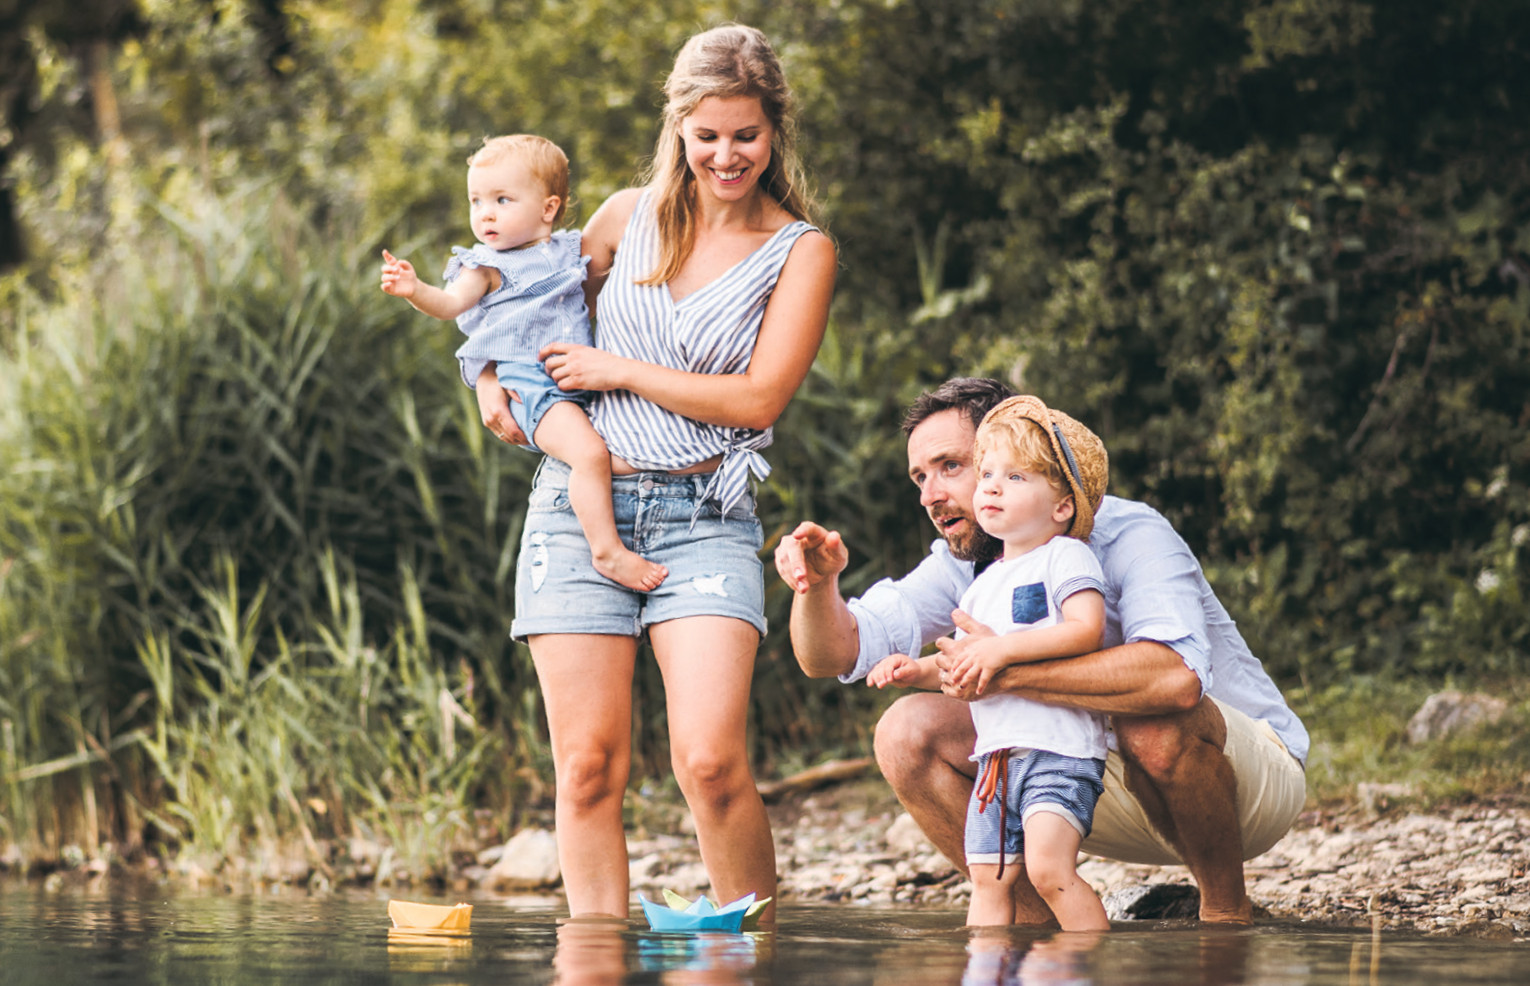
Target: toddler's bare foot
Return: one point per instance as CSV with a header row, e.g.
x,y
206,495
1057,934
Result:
x,y
629,569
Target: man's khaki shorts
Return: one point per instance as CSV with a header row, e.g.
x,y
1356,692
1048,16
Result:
x,y
1272,788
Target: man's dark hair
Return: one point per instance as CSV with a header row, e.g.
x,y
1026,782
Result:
x,y
975,396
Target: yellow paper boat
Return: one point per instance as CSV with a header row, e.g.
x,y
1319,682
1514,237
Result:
x,y
436,919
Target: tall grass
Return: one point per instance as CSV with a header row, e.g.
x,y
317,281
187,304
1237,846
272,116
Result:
x,y
253,549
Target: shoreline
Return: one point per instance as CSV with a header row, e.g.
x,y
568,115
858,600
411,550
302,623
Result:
x,y
1460,870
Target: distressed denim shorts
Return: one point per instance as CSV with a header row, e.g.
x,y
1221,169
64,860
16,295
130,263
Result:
x,y
714,565
1037,781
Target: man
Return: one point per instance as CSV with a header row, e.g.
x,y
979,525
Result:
x,y
1207,765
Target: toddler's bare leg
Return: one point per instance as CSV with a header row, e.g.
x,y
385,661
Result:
x,y
565,433
992,898
1051,860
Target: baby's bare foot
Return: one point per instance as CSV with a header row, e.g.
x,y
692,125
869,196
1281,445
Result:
x,y
629,569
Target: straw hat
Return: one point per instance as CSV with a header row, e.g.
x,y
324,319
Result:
x,y
1077,450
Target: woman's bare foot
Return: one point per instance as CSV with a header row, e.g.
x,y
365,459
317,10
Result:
x,y
629,568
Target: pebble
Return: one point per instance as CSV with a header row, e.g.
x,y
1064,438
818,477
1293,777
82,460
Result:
x,y
1463,870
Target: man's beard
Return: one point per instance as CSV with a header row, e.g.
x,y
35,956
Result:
x,y
974,544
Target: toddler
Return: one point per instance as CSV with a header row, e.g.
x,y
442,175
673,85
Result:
x,y
519,288
1041,476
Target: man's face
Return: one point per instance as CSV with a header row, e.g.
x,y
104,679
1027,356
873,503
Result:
x,y
940,464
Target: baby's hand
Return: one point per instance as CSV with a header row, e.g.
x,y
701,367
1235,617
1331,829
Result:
x,y
398,277
891,671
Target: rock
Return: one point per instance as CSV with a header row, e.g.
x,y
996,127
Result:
x,y
1379,797
529,861
1449,713
642,870
905,836
1153,902
365,852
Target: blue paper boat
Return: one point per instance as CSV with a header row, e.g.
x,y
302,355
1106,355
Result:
x,y
700,914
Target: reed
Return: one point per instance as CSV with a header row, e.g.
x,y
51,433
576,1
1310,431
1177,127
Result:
x,y
253,575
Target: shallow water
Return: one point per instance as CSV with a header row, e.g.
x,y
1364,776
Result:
x,y
70,937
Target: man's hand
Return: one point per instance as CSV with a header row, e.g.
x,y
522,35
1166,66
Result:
x,y
810,555
494,407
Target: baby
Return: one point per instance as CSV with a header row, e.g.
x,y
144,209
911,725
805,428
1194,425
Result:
x,y
518,289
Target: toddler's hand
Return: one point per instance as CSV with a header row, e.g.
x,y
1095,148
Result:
x,y
398,276
891,671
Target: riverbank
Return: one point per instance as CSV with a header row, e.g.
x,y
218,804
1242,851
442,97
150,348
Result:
x,y
1461,870
1456,870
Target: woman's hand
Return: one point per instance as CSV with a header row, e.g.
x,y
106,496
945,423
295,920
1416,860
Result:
x,y
494,407
576,367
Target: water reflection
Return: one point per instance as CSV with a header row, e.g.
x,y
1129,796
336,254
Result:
x,y
418,951
1181,956
158,940
590,952
994,957
708,959
594,952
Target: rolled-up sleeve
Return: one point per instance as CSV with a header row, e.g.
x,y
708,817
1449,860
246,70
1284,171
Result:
x,y
901,616
1162,593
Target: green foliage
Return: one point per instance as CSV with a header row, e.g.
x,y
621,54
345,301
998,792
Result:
x,y
1359,732
1277,252
238,477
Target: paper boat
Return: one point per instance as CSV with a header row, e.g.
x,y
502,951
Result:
x,y
436,919
679,914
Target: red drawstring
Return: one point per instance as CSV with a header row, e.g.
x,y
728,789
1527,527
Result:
x,y
995,780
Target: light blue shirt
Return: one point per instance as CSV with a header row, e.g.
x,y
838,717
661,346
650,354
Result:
x,y
1154,590
540,299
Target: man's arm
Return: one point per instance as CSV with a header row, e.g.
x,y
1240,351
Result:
x,y
1079,630
823,630
1142,678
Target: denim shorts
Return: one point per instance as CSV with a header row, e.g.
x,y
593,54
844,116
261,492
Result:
x,y
714,563
537,393
1037,781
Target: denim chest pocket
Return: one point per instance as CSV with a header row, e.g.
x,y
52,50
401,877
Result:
x,y
1028,603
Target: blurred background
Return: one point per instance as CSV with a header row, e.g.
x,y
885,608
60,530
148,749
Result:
x,y
256,554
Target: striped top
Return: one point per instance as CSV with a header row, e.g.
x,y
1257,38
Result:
x,y
711,330
540,299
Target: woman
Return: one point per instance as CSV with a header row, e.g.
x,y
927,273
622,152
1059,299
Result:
x,y
711,291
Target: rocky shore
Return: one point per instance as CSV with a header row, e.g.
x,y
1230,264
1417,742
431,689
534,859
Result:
x,y
1461,871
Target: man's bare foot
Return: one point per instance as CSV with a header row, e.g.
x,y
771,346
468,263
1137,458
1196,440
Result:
x,y
629,569
1240,915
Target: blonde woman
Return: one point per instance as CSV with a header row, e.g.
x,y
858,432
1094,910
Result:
x,y
710,288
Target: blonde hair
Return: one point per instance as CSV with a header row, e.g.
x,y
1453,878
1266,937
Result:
x,y
544,159
1055,445
727,62
1027,443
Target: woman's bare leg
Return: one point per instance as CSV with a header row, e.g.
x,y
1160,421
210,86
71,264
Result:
x,y
586,684
708,664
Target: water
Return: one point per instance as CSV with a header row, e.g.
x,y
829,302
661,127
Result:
x,y
82,937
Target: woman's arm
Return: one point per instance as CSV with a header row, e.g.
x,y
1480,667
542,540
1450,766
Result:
x,y
600,238
789,337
